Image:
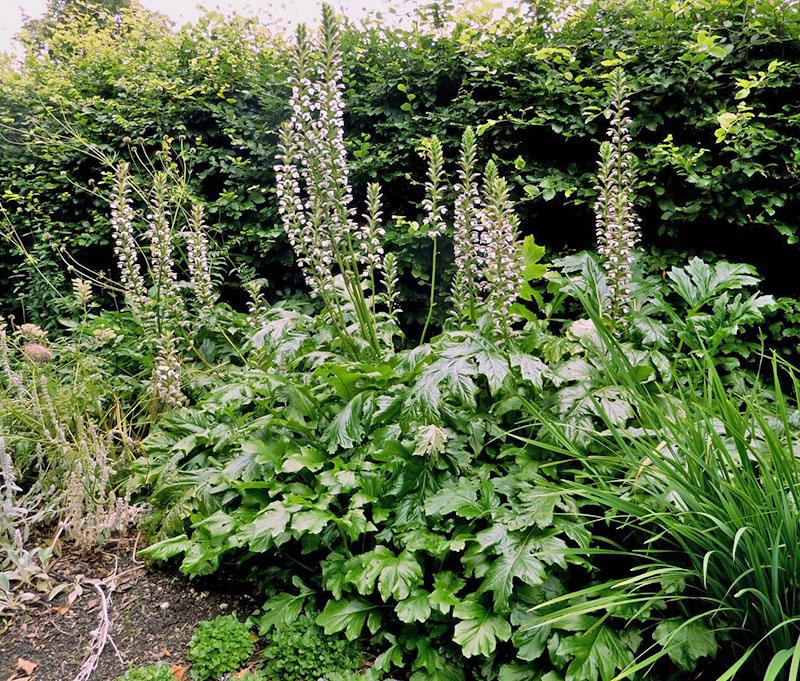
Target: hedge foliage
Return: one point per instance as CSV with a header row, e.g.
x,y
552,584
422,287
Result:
x,y
717,89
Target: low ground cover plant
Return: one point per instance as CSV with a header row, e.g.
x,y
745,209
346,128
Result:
x,y
219,646
155,672
301,650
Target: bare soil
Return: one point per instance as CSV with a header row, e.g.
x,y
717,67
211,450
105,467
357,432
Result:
x,y
153,615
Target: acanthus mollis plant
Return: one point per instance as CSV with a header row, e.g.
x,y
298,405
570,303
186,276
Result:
x,y
617,224
492,265
341,260
160,309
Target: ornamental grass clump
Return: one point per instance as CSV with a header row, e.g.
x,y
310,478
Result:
x,y
617,225
703,497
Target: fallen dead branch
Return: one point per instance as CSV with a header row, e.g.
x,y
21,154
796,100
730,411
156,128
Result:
x,y
102,635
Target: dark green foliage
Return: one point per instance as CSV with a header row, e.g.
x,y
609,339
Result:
x,y
715,96
402,497
300,650
156,672
218,646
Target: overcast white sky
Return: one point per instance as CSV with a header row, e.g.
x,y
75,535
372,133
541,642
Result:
x,y
181,11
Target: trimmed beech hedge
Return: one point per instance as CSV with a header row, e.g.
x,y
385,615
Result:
x,y
715,120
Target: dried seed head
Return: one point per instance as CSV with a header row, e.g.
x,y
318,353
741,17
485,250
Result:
x,y
36,353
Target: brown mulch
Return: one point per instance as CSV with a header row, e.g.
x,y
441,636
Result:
x,y
153,615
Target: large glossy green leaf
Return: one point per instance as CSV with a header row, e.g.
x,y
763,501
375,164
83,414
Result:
x,y
348,615
479,629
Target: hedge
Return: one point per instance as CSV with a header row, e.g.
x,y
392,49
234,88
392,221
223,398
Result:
x,y
715,109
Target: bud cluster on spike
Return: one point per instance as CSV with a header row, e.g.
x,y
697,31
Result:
x,y
391,290
372,232
433,204
167,373
617,224
82,290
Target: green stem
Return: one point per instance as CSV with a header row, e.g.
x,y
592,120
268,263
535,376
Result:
x,y
432,298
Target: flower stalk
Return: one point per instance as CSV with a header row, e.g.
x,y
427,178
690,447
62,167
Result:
x,y
616,222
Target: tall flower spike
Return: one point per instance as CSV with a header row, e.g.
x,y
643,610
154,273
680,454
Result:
x,y
501,254
159,232
617,224
435,210
304,182
465,294
197,256
125,246
315,199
